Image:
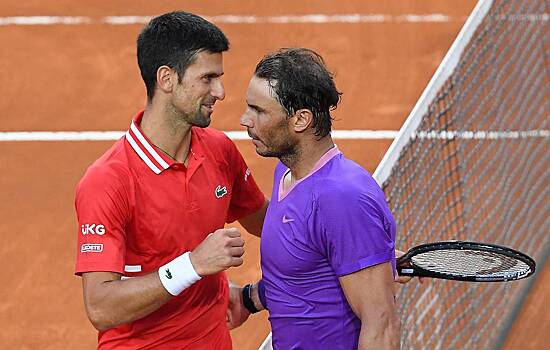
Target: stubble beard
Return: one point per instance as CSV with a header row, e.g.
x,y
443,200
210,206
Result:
x,y
200,120
195,117
287,152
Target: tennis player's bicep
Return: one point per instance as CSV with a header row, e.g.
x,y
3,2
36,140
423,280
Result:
x,y
93,291
370,294
254,222
370,291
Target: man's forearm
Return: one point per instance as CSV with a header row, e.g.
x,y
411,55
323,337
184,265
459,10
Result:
x,y
111,302
382,334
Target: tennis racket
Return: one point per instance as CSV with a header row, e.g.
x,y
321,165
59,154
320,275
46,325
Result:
x,y
466,261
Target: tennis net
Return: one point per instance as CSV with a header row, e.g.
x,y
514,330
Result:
x,y
471,163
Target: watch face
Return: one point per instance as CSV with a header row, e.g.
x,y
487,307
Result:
x,y
247,299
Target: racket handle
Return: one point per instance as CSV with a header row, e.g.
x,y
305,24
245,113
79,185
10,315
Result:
x,y
405,271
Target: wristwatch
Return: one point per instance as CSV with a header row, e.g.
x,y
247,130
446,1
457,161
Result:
x,y
247,299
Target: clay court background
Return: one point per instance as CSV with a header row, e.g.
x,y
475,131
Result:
x,y
84,77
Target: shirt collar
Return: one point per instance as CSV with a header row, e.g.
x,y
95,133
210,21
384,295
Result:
x,y
145,149
331,153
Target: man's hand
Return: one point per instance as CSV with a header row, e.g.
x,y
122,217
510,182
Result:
x,y
236,312
219,251
404,279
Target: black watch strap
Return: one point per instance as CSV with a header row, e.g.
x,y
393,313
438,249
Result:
x,y
247,299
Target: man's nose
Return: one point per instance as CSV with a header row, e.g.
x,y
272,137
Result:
x,y
246,120
218,90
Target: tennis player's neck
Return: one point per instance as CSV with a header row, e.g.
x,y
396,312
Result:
x,y
173,140
308,157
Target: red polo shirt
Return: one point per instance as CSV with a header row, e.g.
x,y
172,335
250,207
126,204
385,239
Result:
x,y
138,209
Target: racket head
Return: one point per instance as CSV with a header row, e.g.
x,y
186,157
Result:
x,y
466,261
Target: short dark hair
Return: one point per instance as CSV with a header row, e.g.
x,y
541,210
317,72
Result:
x,y
300,79
174,39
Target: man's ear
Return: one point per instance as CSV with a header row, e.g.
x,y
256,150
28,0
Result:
x,y
166,78
302,119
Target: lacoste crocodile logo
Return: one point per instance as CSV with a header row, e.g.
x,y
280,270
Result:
x,y
220,191
168,274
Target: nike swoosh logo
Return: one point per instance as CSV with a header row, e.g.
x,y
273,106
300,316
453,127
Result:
x,y
286,220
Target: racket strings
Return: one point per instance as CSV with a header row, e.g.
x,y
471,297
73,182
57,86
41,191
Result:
x,y
466,262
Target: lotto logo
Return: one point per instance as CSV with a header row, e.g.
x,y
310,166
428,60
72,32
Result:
x,y
91,248
92,229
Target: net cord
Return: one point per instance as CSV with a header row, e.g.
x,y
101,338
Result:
x,y
443,72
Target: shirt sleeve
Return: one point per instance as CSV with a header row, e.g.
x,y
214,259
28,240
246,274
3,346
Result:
x,y
246,197
102,210
352,231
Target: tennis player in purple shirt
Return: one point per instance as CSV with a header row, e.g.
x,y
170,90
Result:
x,y
327,245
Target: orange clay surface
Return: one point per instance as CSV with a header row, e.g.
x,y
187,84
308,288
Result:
x,y
85,77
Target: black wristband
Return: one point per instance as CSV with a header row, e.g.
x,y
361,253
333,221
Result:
x,y
247,299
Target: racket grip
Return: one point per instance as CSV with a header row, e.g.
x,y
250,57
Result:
x,y
405,271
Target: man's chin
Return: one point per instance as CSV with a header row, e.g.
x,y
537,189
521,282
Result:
x,y
266,153
202,121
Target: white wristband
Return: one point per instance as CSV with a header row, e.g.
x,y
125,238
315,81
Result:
x,y
178,274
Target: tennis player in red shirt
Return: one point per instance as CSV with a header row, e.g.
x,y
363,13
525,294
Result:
x,y
152,248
